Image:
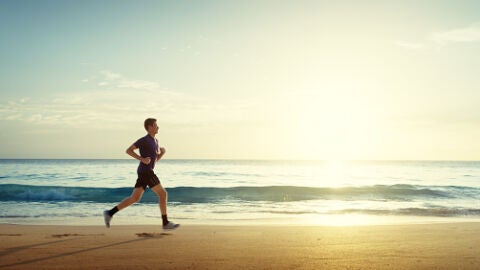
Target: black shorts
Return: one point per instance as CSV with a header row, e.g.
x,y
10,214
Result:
x,y
147,179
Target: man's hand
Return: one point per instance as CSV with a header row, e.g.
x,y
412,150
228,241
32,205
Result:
x,y
160,153
130,152
146,160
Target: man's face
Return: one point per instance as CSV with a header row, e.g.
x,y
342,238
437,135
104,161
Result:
x,y
153,128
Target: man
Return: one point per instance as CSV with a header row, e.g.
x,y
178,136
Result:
x,y
150,153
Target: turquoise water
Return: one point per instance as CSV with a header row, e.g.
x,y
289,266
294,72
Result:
x,y
243,192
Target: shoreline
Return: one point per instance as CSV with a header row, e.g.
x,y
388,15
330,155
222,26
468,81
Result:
x,y
415,246
329,220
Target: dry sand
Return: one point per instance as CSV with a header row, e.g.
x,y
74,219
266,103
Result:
x,y
433,246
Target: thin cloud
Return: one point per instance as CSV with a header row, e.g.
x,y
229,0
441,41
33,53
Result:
x,y
443,38
466,34
117,80
410,45
111,76
138,84
113,105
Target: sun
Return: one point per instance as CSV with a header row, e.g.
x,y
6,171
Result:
x,y
338,125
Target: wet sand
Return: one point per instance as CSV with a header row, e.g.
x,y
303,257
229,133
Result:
x,y
426,246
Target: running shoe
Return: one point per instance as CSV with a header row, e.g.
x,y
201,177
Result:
x,y
107,218
170,226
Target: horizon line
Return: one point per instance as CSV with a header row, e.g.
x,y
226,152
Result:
x,y
260,159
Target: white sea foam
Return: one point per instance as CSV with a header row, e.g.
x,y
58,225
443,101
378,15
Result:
x,y
226,191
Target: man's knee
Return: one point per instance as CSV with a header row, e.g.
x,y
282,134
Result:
x,y
135,198
161,192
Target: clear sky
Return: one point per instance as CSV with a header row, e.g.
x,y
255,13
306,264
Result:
x,y
241,79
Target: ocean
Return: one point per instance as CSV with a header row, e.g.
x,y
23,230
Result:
x,y
243,192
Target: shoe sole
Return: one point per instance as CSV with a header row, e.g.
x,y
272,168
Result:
x,y
107,223
172,229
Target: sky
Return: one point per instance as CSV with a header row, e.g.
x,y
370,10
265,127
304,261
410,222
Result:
x,y
288,80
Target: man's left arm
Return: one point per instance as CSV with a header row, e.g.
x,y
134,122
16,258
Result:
x,y
160,153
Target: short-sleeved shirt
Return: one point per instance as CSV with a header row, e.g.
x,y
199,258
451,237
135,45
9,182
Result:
x,y
148,147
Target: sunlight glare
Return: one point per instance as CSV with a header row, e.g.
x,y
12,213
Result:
x,y
334,125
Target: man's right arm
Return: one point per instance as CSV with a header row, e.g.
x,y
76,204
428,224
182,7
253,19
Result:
x,y
130,151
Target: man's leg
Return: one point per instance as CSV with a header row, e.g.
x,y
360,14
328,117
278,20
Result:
x,y
162,198
135,197
162,201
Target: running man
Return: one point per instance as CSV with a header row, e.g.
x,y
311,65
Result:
x,y
150,153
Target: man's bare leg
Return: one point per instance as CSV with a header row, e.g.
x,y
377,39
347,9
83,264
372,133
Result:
x,y
162,201
162,198
135,197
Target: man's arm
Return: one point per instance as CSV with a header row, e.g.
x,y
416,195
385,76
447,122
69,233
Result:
x,y
130,151
161,153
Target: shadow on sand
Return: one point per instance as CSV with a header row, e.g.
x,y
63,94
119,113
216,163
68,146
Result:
x,y
17,249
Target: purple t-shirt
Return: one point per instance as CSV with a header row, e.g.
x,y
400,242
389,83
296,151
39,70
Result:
x,y
148,148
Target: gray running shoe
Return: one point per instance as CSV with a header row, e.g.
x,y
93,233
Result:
x,y
170,226
107,218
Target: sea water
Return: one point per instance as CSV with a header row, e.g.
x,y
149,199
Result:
x,y
241,192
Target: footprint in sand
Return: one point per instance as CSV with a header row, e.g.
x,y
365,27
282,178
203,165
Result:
x,y
73,234
151,235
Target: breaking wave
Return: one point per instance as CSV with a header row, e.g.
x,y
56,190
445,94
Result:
x,y
11,192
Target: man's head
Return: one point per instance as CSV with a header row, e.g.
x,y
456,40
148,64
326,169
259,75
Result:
x,y
150,125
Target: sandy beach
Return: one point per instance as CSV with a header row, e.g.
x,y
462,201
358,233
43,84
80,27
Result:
x,y
425,246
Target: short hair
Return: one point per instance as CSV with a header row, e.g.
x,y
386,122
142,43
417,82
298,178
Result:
x,y
149,122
